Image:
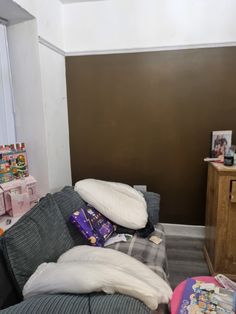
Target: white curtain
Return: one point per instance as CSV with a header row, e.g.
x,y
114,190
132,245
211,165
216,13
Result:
x,y
7,121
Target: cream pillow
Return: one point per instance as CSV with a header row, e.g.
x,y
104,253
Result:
x,y
104,256
86,269
119,202
79,277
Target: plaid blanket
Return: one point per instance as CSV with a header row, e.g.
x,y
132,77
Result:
x,y
147,252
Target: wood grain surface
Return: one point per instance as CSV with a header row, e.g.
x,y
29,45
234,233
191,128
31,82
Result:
x,y
146,118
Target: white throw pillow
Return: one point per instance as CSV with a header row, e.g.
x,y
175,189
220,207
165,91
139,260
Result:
x,y
86,269
104,256
53,278
119,202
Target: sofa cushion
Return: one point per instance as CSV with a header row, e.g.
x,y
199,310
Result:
x,y
117,304
95,303
39,236
51,304
147,252
8,294
153,206
69,201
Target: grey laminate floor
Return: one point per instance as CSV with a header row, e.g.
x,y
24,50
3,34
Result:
x,y
185,258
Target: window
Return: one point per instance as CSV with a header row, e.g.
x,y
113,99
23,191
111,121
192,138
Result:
x,y
7,122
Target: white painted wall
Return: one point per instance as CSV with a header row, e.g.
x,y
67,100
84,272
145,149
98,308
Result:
x,y
48,14
39,73
56,117
7,121
136,24
39,87
27,88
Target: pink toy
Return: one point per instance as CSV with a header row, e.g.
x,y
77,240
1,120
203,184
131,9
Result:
x,y
176,297
2,204
13,162
19,195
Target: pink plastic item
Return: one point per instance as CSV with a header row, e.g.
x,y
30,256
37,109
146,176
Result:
x,y
19,195
2,204
177,294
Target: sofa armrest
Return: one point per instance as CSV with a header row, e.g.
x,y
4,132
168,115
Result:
x,y
153,206
8,293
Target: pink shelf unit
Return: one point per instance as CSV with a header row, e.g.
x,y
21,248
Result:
x,y
19,195
2,203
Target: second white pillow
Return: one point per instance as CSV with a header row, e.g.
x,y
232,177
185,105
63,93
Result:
x,y
119,202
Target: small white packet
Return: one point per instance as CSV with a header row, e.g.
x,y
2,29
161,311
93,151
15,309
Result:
x,y
155,239
117,238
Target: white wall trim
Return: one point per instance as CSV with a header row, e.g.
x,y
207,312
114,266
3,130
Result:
x,y
51,46
184,230
150,49
46,43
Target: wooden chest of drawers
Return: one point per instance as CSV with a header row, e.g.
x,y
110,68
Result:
x,y
220,243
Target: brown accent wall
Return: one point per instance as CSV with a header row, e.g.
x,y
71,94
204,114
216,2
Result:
x,y
146,118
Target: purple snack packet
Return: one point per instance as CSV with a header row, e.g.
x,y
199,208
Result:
x,y
93,225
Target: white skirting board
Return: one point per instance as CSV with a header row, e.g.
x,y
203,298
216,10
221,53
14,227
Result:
x,y
191,231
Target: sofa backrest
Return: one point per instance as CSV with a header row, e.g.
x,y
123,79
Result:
x,y
63,203
69,201
153,206
41,235
8,292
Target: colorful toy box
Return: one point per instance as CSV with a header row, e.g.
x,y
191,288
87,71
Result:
x,y
93,225
19,195
13,162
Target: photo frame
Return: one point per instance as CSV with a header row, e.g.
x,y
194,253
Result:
x,y
221,142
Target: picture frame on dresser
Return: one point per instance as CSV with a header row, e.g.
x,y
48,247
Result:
x,y
220,143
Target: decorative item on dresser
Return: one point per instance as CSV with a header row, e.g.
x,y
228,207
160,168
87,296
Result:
x,y
220,244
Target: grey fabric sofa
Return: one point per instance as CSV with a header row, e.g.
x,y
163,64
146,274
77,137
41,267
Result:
x,y
43,234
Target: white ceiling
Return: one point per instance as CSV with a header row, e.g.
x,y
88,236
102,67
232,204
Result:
x,y
74,1
12,12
